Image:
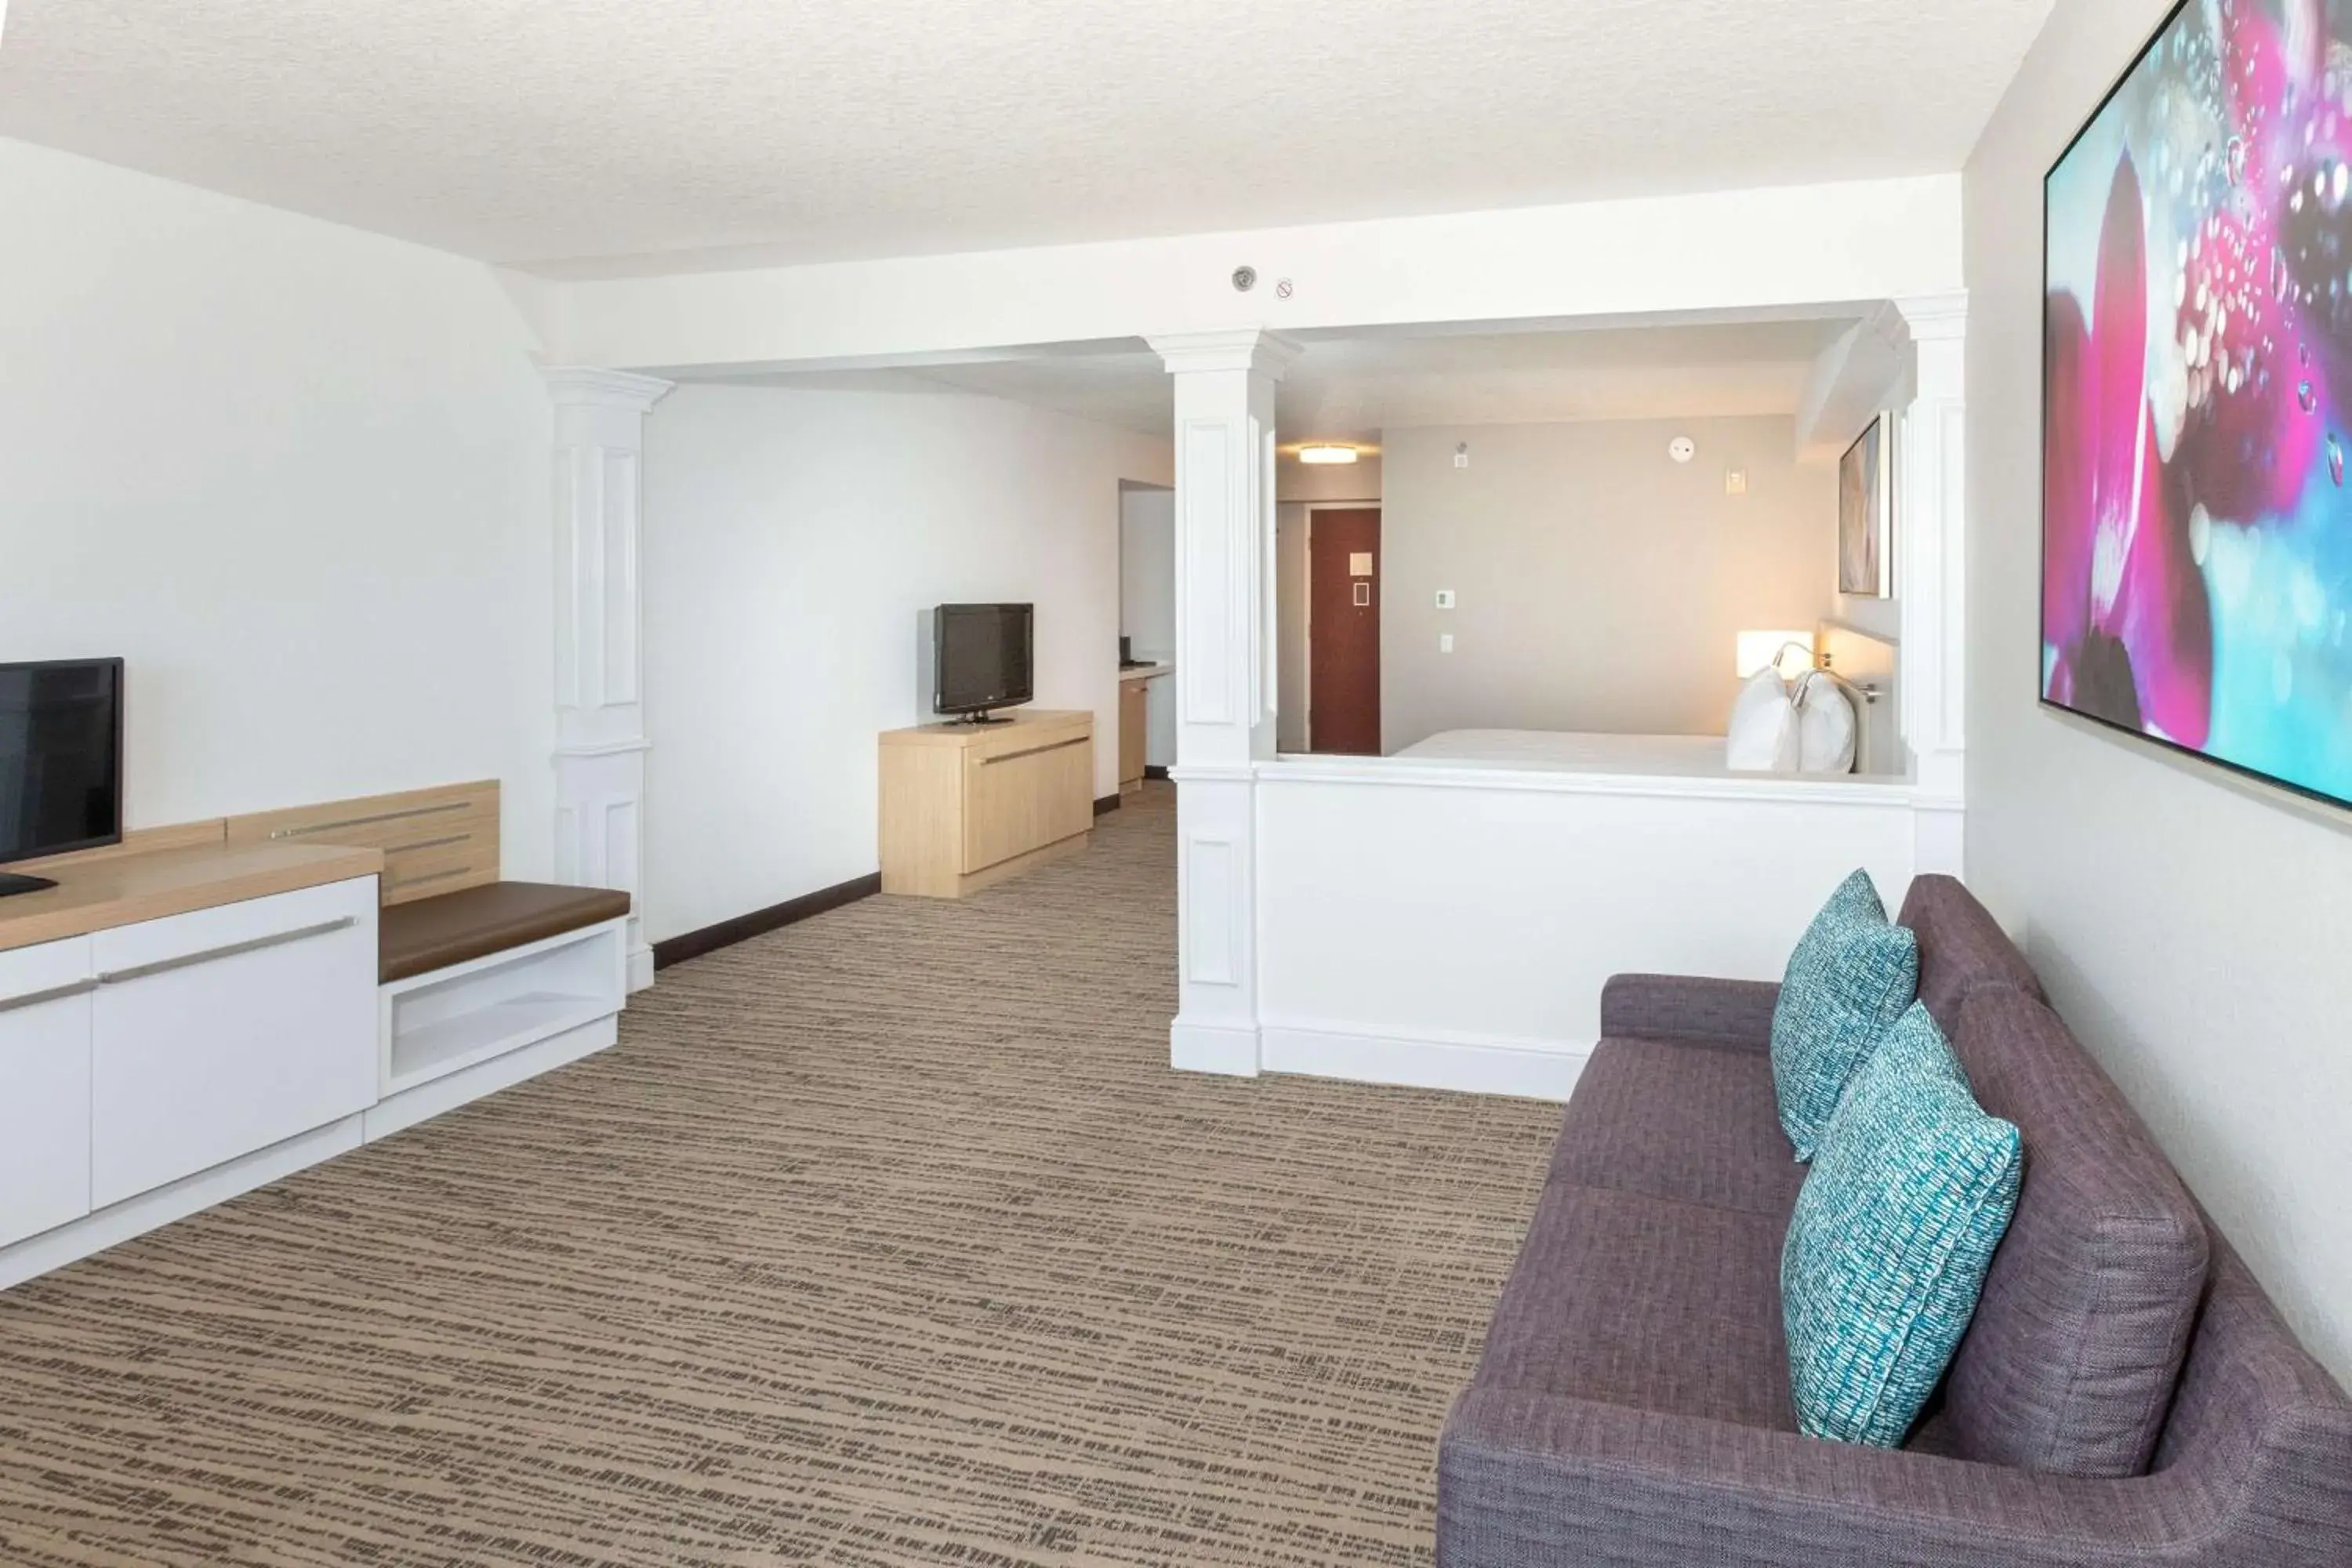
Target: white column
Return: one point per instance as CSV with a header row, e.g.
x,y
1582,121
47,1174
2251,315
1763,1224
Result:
x,y
1224,680
600,728
1931,564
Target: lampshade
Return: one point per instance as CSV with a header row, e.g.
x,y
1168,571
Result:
x,y
1765,650
1326,454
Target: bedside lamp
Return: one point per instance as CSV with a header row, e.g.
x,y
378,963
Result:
x,y
1770,650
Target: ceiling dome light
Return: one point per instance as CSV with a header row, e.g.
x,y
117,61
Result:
x,y
1322,455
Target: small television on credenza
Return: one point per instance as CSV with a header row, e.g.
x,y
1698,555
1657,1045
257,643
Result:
x,y
978,657
60,761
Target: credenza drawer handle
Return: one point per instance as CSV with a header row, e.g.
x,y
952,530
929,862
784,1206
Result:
x,y
1034,752
188,960
54,994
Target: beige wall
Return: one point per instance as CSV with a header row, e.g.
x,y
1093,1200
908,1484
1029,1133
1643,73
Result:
x,y
2191,929
1600,584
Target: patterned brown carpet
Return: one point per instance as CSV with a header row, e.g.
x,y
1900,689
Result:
x,y
889,1238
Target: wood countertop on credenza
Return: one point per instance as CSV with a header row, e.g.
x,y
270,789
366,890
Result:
x,y
102,890
1014,724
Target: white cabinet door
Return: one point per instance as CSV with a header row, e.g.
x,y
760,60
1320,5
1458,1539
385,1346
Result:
x,y
222,1032
45,1012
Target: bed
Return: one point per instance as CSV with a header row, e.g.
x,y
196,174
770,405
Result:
x,y
1656,756
1861,665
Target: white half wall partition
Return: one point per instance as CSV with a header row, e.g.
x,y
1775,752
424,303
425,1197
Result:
x,y
600,738
1452,927
1451,924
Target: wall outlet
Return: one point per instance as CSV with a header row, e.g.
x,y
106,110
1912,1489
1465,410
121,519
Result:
x,y
1446,642
1445,598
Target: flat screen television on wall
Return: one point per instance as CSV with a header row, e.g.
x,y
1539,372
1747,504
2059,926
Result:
x,y
983,656
60,758
2196,527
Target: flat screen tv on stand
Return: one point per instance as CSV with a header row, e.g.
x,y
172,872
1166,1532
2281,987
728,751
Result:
x,y
982,656
60,761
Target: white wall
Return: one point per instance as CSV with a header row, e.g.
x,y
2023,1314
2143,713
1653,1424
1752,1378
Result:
x,y
790,540
1600,585
1423,923
2190,928
1761,249
1147,570
295,475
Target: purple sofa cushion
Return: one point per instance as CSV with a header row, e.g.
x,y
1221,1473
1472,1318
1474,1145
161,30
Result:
x,y
1961,948
1693,1123
1651,1304
2070,1363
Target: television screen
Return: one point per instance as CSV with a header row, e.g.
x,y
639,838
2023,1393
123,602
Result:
x,y
61,756
983,656
2197,536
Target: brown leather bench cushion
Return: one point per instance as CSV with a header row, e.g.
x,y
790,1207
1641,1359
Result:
x,y
433,933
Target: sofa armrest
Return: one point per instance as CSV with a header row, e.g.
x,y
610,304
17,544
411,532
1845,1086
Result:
x,y
1528,1479
1681,1007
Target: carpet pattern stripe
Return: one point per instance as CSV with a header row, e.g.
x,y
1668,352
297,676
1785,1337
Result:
x,y
888,1238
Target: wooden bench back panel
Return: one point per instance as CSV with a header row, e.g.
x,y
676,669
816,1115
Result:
x,y
433,841
135,841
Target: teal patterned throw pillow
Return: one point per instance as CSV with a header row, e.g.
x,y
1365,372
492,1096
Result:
x,y
1893,1232
1848,981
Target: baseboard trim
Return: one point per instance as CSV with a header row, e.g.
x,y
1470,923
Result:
x,y
1522,1069
147,1211
398,1112
1217,1048
1151,771
1106,806
760,923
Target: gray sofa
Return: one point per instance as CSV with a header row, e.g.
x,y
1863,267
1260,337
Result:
x,y
2126,1392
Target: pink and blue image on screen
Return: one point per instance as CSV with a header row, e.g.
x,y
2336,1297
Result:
x,y
2197,526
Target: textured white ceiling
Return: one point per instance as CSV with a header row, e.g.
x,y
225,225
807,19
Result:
x,y
586,136
1350,389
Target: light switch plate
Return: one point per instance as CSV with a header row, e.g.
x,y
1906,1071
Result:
x,y
1734,482
1445,598
1446,642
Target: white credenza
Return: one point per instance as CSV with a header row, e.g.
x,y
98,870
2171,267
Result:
x,y
150,1069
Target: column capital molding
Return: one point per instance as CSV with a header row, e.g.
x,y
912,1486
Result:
x,y
1934,316
582,386
1234,347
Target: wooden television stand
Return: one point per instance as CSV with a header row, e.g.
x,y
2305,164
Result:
x,y
965,806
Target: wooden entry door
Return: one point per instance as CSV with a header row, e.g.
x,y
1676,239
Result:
x,y
1343,632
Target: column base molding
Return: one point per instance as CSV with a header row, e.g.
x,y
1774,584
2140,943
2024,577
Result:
x,y
1218,1048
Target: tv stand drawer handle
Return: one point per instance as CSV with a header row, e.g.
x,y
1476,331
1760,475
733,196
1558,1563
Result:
x,y
189,960
1034,752
54,994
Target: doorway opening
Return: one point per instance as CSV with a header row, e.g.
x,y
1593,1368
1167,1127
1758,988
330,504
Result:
x,y
1343,630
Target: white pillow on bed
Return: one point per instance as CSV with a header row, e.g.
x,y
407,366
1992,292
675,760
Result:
x,y
1763,738
1825,736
